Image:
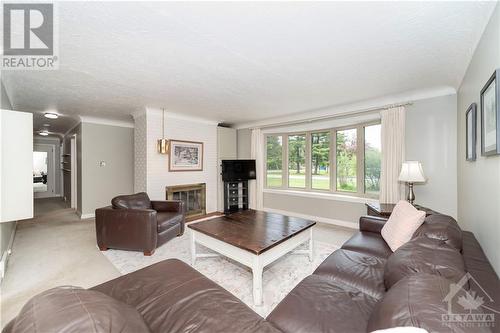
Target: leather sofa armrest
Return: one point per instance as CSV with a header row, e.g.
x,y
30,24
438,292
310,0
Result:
x,y
118,225
175,206
371,223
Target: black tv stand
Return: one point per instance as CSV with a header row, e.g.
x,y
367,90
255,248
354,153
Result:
x,y
235,196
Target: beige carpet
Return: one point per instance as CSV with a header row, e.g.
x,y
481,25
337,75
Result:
x,y
50,250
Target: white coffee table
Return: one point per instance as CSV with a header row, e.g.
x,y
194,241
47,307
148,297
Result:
x,y
252,238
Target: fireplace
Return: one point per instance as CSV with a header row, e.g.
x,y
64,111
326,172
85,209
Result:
x,y
193,196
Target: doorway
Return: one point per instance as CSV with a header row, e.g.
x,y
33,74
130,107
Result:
x,y
43,170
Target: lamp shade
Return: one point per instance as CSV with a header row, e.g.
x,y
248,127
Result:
x,y
412,172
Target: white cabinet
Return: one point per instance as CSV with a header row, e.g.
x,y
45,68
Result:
x,y
16,165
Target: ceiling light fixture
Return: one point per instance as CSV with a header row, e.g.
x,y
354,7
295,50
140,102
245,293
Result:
x,y
162,144
51,115
43,133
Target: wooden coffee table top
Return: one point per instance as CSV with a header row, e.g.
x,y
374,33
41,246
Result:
x,y
251,230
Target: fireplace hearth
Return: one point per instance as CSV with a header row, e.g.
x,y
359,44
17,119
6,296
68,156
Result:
x,y
193,196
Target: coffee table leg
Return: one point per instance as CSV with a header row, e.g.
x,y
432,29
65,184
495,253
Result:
x,y
193,248
311,245
257,280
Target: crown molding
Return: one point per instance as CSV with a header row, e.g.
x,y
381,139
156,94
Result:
x,y
109,122
71,129
345,109
183,117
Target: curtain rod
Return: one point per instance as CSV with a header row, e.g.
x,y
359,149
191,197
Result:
x,y
337,116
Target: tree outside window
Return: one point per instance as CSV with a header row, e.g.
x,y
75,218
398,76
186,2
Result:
x,y
274,163
297,160
320,160
373,158
346,160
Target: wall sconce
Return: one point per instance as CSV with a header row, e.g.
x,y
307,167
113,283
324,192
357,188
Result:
x,y
162,144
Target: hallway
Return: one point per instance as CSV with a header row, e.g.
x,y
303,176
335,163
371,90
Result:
x,y
46,205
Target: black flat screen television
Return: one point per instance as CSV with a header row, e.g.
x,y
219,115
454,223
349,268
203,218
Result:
x,y
235,170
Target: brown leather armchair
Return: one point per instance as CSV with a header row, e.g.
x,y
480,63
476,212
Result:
x,y
133,222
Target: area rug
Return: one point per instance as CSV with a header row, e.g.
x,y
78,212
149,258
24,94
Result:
x,y
279,278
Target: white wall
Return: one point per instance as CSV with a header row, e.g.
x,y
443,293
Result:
x,y
226,150
97,185
179,128
244,138
431,138
479,181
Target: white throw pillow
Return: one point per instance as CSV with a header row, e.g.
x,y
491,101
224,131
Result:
x,y
403,222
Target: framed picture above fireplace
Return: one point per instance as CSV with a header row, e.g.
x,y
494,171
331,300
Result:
x,y
185,156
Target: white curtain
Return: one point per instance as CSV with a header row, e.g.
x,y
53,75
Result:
x,y
393,154
257,186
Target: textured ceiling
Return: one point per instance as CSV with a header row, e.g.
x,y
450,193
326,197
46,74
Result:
x,y
241,62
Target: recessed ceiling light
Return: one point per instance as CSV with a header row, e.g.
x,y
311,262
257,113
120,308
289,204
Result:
x,y
44,133
51,115
46,125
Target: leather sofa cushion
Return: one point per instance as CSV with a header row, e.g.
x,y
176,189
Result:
x,y
368,243
319,304
420,300
484,276
362,271
167,220
442,227
133,201
171,296
424,255
73,309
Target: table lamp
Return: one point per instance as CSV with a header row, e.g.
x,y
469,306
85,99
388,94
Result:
x,y
411,172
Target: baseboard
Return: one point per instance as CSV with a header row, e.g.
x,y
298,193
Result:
x,y
48,196
85,216
321,219
5,256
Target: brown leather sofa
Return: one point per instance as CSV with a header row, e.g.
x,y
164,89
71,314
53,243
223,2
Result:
x,y
361,287
133,222
364,286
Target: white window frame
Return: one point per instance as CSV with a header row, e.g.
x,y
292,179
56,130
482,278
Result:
x,y
360,160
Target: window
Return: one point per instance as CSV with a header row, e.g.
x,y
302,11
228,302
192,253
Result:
x,y
297,160
372,159
274,150
344,160
320,161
